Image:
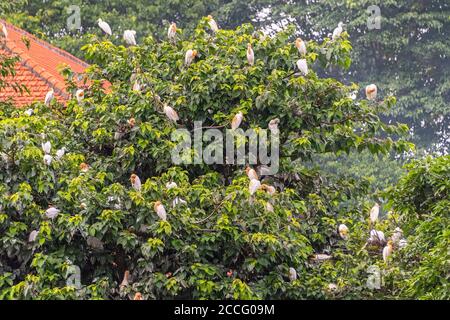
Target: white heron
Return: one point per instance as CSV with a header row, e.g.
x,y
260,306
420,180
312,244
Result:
x,y
251,173
46,147
129,37
254,186
250,54
171,113
160,210
273,124
292,274
79,94
301,46
60,153
48,159
32,236
171,185
189,57
302,66
52,212
135,182
338,30
4,30
172,32
371,92
213,24
237,120
374,212
104,26
49,96
387,251
343,231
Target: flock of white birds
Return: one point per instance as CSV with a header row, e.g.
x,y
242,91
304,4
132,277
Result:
x,y
255,184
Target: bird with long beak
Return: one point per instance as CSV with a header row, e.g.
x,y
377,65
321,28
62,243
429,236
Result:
x,y
172,32
135,182
138,296
251,173
104,26
292,274
189,57
125,281
79,94
49,97
84,167
343,231
160,210
301,46
4,30
250,54
171,113
212,23
273,124
302,66
237,119
387,251
337,31
374,212
254,185
52,212
371,92
129,37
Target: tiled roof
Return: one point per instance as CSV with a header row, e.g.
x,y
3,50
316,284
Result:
x,y
38,67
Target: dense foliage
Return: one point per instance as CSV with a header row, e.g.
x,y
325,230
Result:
x,y
222,242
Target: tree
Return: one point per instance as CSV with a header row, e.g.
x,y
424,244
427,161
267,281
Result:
x,y
421,204
223,242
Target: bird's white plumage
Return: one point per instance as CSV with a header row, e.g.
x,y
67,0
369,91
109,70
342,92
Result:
x,y
387,251
130,37
48,159
49,97
237,120
253,186
374,212
337,31
250,55
171,185
105,27
32,236
178,201
377,236
302,66
292,274
273,124
213,24
60,153
189,57
171,113
4,31
371,92
52,212
301,46
172,32
343,231
47,147
29,112
79,95
251,174
161,212
136,183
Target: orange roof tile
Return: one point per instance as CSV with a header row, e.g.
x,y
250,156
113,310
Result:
x,y
38,67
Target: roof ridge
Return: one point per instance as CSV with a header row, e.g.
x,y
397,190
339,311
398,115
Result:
x,y
44,43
